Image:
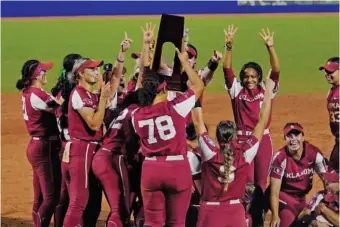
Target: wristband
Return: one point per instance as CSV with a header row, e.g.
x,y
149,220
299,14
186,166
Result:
x,y
228,46
120,61
198,104
212,65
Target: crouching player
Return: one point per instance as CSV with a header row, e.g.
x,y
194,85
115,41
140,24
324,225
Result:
x,y
291,175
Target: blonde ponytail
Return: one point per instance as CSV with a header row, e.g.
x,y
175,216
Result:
x,y
228,162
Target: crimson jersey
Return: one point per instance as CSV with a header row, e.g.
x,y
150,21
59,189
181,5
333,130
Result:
x,y
297,175
247,103
77,126
333,106
39,112
119,136
213,171
161,127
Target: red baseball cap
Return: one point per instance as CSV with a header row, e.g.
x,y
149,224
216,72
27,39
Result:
x,y
42,66
330,177
191,51
89,63
135,55
330,66
290,127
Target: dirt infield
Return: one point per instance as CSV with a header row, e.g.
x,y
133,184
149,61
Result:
x,y
17,191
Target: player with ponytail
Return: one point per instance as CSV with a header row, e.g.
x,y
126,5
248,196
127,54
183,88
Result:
x,y
225,166
43,149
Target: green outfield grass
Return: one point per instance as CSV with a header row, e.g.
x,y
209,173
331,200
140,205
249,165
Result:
x,y
302,43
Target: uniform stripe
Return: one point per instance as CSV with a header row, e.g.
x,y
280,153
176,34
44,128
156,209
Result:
x,y
207,153
183,108
77,103
87,151
250,154
320,165
121,173
235,88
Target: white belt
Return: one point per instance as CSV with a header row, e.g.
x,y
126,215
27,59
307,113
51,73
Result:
x,y
167,158
52,138
232,201
248,133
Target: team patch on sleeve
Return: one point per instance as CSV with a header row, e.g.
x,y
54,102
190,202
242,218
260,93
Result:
x,y
208,140
278,170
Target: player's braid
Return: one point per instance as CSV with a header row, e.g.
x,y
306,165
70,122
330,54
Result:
x,y
57,88
26,72
228,162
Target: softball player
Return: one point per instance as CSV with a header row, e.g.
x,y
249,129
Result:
x,y
118,140
42,151
166,177
225,167
331,69
247,98
85,114
62,91
323,208
291,175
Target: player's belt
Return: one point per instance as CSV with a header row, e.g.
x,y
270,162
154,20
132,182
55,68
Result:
x,y
51,138
248,133
232,201
165,158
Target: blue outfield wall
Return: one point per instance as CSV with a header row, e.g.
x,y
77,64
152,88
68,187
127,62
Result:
x,y
85,8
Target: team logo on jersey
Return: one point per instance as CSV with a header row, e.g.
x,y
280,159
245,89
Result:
x,y
251,99
278,171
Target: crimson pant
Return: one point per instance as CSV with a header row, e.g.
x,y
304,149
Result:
x,y
334,158
61,208
84,191
166,189
289,208
42,153
109,169
224,214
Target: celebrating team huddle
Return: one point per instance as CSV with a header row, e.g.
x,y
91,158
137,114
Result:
x,y
149,151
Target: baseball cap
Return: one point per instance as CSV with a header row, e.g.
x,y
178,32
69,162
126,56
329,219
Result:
x,y
330,66
293,126
135,55
86,63
191,51
42,66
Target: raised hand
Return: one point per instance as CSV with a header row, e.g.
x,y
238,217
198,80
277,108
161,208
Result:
x,y
268,37
148,33
230,33
126,43
216,57
105,91
183,56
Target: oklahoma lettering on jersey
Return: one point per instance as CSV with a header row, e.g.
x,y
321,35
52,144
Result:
x,y
38,109
161,127
77,126
213,172
247,103
333,106
120,137
297,175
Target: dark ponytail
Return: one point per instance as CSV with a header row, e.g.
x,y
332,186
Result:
x,y
67,86
148,92
26,72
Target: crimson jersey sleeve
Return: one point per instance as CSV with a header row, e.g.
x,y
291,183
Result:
x,y
320,165
183,103
41,100
80,100
208,147
250,148
278,165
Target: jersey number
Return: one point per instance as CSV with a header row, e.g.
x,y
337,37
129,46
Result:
x,y
334,116
221,177
24,111
164,125
115,123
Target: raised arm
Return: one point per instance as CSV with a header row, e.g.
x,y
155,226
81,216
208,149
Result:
x,y
227,70
145,54
196,84
265,109
117,72
207,73
197,119
268,38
